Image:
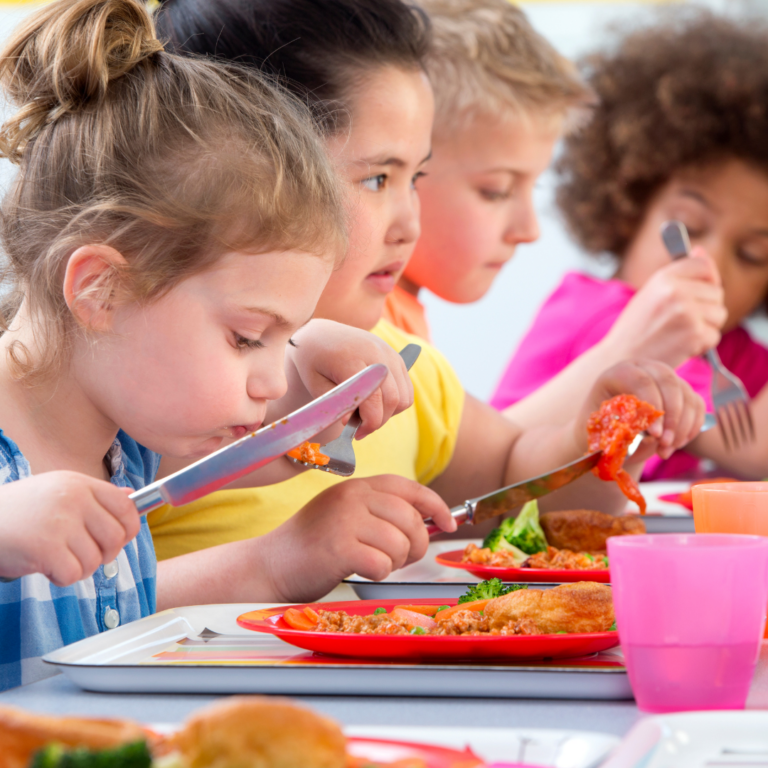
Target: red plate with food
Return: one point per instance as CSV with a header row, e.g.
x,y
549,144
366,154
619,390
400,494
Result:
x,y
454,560
388,629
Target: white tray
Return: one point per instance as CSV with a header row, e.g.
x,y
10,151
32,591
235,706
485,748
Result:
x,y
229,659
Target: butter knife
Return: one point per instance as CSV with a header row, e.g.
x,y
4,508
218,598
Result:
x,y
261,447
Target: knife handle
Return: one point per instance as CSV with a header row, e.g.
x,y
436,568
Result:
x,y
461,514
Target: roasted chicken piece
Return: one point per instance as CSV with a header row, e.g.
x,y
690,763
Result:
x,y
586,530
580,607
260,732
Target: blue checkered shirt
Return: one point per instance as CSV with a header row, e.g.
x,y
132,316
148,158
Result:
x,y
36,617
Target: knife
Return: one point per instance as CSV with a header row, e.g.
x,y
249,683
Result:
x,y
259,448
482,508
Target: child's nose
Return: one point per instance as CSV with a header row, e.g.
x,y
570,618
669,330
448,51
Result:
x,y
268,381
524,226
406,226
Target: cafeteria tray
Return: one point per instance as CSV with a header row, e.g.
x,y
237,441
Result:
x,y
200,649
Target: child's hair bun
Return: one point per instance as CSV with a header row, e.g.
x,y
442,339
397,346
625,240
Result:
x,y
64,59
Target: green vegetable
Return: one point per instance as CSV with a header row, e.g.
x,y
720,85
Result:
x,y
134,755
496,542
613,627
442,608
379,611
605,560
524,531
488,589
561,632
589,557
418,631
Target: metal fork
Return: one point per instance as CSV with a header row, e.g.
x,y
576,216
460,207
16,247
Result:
x,y
341,451
729,397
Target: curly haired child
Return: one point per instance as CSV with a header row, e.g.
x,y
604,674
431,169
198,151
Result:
x,y
679,133
169,232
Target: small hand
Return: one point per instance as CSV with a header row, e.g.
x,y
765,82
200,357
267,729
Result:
x,y
63,525
657,384
676,315
368,526
328,353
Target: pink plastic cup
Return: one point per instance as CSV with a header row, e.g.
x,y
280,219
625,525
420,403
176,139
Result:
x,y
690,611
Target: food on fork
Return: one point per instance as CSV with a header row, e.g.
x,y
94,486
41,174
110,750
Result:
x,y
611,429
309,453
569,608
574,540
586,530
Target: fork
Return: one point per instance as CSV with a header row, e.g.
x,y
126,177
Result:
x,y
729,397
340,451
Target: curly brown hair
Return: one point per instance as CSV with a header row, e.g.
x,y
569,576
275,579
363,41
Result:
x,y
687,91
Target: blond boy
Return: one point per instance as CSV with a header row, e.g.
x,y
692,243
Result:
x,y
503,98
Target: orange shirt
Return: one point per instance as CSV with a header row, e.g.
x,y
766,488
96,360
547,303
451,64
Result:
x,y
407,313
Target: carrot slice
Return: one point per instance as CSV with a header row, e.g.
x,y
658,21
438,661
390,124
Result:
x,y
427,610
310,453
474,605
297,619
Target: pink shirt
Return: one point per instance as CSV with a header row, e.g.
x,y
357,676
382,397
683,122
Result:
x,y
580,313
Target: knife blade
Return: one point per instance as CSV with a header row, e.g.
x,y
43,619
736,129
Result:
x,y
259,448
482,508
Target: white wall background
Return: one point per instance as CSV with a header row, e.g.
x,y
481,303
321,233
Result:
x,y
479,339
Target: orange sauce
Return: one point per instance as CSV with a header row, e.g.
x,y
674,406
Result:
x,y
309,452
611,429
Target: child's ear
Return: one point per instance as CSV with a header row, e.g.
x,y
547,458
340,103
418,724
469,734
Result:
x,y
90,282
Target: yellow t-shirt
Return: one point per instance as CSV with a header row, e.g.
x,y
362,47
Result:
x,y
417,444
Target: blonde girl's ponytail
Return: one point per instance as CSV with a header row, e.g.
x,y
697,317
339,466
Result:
x,y
172,161
64,59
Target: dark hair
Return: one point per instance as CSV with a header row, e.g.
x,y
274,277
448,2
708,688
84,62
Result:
x,y
319,49
691,90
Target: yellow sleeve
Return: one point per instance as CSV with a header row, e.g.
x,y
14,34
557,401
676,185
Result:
x,y
438,403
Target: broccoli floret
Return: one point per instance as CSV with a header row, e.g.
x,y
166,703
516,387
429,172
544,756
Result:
x,y
496,542
489,589
134,755
524,532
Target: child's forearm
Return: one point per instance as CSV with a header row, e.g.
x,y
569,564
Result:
x,y
239,572
559,400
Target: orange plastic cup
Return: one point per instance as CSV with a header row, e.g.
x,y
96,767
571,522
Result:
x,y
731,508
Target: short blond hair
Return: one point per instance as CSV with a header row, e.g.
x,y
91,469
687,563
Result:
x,y
171,160
487,60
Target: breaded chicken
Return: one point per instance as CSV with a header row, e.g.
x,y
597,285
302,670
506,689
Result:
x,y
24,733
580,607
260,732
586,530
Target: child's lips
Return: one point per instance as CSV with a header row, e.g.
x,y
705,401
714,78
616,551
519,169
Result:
x,y
385,279
243,429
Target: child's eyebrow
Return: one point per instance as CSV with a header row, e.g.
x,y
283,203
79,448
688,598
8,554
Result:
x,y
395,161
698,197
278,319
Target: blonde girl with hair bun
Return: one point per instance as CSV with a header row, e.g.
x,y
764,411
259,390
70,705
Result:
x,y
168,234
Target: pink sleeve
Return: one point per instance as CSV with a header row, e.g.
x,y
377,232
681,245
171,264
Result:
x,y
574,318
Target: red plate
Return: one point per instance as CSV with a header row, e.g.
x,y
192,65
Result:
x,y
385,752
453,560
422,647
